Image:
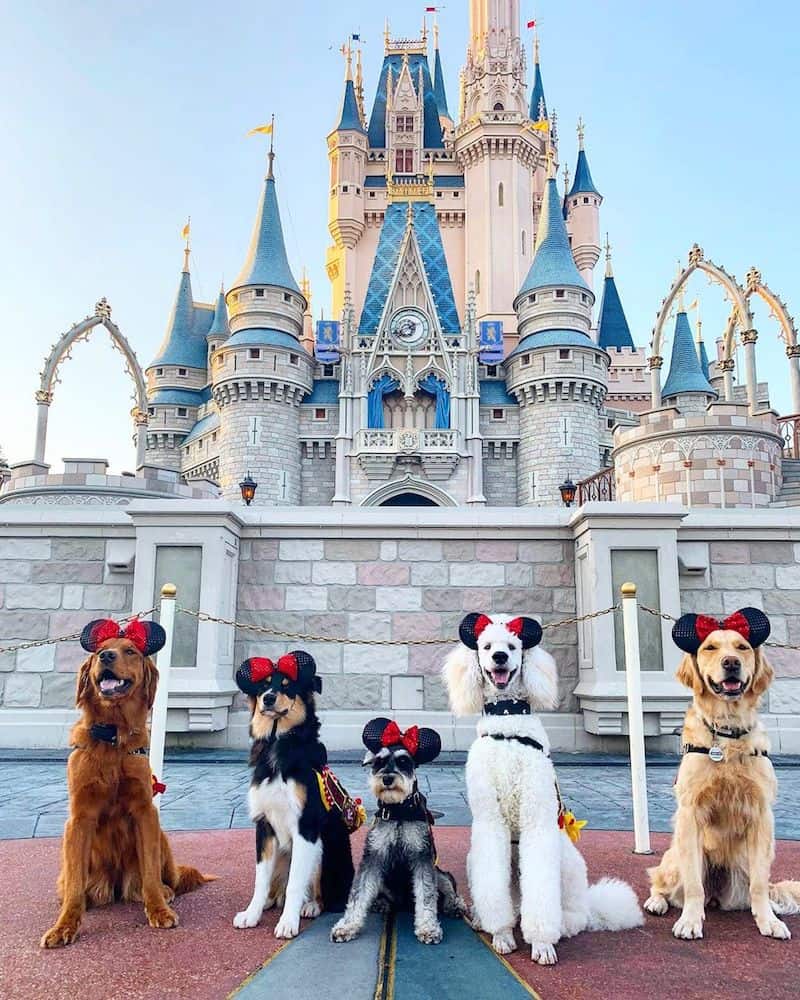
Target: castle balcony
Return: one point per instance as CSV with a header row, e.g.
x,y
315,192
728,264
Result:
x,y
436,451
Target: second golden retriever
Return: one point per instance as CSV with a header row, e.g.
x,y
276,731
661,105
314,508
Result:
x,y
724,844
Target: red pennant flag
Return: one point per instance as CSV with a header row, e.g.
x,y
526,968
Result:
x,y
531,24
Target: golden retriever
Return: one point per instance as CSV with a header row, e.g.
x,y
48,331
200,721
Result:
x,y
113,846
723,845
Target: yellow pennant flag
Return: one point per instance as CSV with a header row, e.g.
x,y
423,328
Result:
x,y
541,126
261,130
186,230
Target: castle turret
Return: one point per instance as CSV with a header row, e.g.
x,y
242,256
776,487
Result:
x,y
613,332
263,372
219,331
557,373
583,219
686,388
177,377
347,155
538,106
445,118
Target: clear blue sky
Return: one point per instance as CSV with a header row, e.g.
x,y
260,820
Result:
x,y
122,117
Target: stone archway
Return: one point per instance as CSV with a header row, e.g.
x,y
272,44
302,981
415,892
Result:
x,y
426,494
777,308
741,317
62,351
409,500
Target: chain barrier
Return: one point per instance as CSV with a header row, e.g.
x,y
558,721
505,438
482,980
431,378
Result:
x,y
66,638
306,637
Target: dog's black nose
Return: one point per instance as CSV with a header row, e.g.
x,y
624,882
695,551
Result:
x,y
732,664
270,698
107,656
500,657
388,780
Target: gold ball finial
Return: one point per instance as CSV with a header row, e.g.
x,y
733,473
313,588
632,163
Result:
x,y
168,591
628,590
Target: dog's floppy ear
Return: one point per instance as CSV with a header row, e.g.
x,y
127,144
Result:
x,y
373,731
97,632
763,674
148,637
430,746
526,629
82,684
306,670
252,673
470,629
150,681
758,626
540,675
688,674
462,678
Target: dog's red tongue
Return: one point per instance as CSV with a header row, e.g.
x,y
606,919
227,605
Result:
x,y
731,685
500,676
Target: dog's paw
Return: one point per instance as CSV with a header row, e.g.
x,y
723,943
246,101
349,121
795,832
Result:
x,y
429,934
246,918
503,941
342,931
161,916
310,909
688,927
774,927
287,927
544,954
59,935
656,904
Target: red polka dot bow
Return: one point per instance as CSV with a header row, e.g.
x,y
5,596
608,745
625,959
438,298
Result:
x,y
261,668
393,736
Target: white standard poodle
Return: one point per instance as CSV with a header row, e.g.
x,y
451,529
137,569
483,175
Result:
x,y
498,669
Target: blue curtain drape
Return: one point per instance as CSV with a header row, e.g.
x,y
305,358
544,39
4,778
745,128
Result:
x,y
436,387
380,387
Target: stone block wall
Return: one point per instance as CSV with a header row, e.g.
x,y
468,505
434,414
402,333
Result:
x,y
500,473
50,587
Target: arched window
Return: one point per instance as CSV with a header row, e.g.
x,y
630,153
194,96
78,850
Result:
x,y
498,107
500,194
524,244
477,282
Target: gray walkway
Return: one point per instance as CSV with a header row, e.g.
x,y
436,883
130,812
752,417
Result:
x,y
210,793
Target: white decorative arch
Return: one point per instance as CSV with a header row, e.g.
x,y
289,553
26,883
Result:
x,y
62,351
778,311
408,484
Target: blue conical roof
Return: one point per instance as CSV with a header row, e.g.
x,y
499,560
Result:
x,y
612,327
685,373
553,263
537,95
350,119
266,262
219,325
704,359
438,87
582,182
184,341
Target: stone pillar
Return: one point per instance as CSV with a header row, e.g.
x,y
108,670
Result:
x,y
140,424
793,354
655,363
749,338
726,367
43,401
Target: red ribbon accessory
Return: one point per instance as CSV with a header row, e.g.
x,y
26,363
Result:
x,y
288,665
260,669
158,786
704,625
392,735
480,624
109,629
515,627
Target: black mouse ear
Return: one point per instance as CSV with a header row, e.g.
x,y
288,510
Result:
x,y
758,626
430,746
526,629
96,632
149,636
470,629
251,675
306,667
373,731
684,634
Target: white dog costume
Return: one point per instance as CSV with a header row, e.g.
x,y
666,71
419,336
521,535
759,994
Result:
x,y
499,670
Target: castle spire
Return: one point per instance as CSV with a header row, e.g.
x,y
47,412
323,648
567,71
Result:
x,y
219,325
685,370
350,118
612,325
538,106
582,182
438,78
182,345
553,263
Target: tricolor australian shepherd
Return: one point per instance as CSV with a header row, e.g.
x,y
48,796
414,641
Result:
x,y
303,857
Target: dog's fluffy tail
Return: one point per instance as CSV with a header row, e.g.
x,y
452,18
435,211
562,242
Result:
x,y
190,879
613,906
785,897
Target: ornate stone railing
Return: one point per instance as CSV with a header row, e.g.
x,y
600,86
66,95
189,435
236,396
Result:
x,y
600,486
789,430
437,450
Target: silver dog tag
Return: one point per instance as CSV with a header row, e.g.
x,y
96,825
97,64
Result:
x,y
716,754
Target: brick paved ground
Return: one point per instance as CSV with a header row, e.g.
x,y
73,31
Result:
x,y
210,794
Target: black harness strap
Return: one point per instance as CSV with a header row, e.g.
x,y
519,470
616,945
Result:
x,y
412,809
107,733
528,741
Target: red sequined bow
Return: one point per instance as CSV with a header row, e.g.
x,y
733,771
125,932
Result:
x,y
392,735
109,629
705,625
261,668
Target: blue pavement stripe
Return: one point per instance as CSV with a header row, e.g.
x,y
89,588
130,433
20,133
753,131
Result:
x,y
312,965
463,965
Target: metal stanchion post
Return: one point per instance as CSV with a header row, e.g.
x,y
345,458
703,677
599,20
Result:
x,y
158,721
633,679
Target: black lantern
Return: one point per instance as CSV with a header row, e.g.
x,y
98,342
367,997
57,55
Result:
x,y
248,486
568,489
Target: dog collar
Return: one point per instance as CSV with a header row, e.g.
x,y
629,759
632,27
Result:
x,y
728,734
527,741
507,706
691,748
411,809
106,733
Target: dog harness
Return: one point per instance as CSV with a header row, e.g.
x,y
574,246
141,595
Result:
x,y
334,795
412,809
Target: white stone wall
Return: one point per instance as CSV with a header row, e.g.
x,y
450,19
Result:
x,y
268,450
546,456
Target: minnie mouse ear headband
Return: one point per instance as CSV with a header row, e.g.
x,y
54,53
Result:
x,y
526,629
423,744
293,674
690,631
147,637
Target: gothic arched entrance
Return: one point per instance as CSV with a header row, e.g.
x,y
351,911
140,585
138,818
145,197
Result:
x,y
409,500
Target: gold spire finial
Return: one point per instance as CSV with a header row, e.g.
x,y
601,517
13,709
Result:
x,y
386,35
581,132
566,179
271,153
549,159
435,33
535,46
609,272
347,52
360,87
305,287
186,232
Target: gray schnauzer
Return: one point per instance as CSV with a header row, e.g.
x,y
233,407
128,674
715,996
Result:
x,y
398,869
